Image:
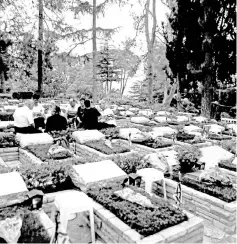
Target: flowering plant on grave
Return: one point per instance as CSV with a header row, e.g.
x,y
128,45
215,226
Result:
x,y
7,140
188,157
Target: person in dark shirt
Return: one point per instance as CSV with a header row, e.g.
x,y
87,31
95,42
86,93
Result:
x,y
80,112
56,122
90,119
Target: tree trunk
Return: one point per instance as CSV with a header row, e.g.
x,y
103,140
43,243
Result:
x,y
169,93
178,98
40,49
150,46
94,52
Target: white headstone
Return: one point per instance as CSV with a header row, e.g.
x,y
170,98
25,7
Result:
x,y
162,119
160,131
87,136
147,112
162,113
86,174
140,120
211,156
181,118
11,183
200,119
34,139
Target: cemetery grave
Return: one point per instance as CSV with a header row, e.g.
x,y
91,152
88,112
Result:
x,y
98,162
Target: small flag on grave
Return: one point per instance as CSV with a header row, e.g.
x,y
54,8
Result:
x,y
129,139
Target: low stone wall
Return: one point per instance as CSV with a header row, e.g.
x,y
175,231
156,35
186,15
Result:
x,y
9,154
112,230
217,212
26,157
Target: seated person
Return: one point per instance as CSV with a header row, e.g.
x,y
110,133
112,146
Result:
x,y
56,122
23,119
38,112
71,112
91,115
80,111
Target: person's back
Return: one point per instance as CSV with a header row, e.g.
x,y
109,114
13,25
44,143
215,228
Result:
x,y
56,122
90,119
21,117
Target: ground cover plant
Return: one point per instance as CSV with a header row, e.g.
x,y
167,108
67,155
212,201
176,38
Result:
x,y
227,164
213,136
41,152
7,140
145,220
224,193
157,143
181,136
100,146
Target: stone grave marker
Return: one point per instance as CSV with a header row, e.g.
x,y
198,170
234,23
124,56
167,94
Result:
x,y
11,183
87,174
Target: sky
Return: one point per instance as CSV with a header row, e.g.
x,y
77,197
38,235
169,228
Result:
x,y
115,16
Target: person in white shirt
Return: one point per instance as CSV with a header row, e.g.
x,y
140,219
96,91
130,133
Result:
x,y
71,112
38,113
23,119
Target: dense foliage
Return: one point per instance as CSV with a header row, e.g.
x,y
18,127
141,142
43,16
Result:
x,y
145,220
112,132
6,116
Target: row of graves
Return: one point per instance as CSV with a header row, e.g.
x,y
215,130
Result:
x,y
157,177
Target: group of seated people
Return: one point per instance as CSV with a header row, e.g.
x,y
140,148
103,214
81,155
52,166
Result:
x,y
33,118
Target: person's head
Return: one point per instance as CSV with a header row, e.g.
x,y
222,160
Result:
x,y
29,103
36,98
72,102
56,110
87,103
82,102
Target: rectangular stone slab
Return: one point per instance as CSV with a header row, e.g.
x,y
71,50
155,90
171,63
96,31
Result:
x,y
88,173
11,183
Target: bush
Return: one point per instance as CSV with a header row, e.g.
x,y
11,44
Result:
x,y
145,220
188,157
6,116
7,140
103,148
217,137
131,164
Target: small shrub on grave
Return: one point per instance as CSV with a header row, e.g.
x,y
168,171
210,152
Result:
x,y
145,220
22,95
6,116
131,164
103,148
227,164
7,140
188,157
